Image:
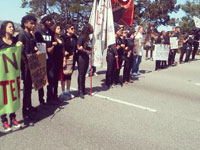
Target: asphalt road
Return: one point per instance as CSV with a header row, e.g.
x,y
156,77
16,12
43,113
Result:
x,y
159,111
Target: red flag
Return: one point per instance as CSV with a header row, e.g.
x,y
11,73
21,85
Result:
x,y
123,11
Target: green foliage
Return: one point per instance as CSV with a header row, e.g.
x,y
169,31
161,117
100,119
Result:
x,y
155,12
191,9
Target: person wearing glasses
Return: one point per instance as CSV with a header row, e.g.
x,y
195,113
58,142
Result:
x,y
70,46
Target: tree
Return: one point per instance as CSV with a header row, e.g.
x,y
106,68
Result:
x,y
155,12
191,9
62,11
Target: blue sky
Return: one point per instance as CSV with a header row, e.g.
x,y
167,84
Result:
x,y
11,10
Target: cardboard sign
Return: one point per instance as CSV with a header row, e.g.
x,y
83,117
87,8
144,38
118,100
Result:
x,y
37,66
161,52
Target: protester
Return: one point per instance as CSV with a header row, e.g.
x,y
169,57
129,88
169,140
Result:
x,y
160,40
175,33
195,43
111,58
151,37
138,51
7,40
121,42
58,53
28,24
46,35
70,46
187,48
128,57
83,57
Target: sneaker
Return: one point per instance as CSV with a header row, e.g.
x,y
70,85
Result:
x,y
87,75
6,127
95,74
134,74
15,123
71,95
138,73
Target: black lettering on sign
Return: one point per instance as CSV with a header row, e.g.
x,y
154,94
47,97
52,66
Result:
x,y
33,62
13,62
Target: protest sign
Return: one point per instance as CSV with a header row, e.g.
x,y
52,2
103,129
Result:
x,y
173,43
161,52
37,66
10,62
196,21
42,48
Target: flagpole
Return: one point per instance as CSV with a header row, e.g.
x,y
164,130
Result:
x,y
91,74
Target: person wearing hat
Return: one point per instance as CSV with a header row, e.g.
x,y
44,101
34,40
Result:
x,y
70,46
46,36
26,36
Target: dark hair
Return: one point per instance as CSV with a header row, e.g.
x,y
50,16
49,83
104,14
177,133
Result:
x,y
87,29
68,26
53,27
45,18
3,28
27,18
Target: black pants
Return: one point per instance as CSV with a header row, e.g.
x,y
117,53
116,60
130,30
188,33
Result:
x,y
196,45
117,71
127,67
158,64
188,53
170,58
57,69
183,51
83,62
50,76
151,52
174,55
4,118
27,89
111,66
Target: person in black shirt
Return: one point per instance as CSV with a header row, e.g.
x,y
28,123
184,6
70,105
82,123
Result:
x,y
83,57
28,24
7,40
70,46
195,43
121,42
58,53
111,58
128,57
46,35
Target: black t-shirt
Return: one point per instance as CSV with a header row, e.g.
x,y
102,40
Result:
x,y
47,37
4,45
28,41
120,41
83,41
70,43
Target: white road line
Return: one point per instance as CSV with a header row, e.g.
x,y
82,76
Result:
x,y
198,84
122,102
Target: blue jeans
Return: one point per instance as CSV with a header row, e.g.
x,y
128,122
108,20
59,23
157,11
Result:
x,y
136,62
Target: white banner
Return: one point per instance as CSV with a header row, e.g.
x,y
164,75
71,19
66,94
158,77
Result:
x,y
196,21
173,43
161,52
102,21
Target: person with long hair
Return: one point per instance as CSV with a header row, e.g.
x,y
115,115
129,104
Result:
x,y
70,46
7,40
83,57
57,57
